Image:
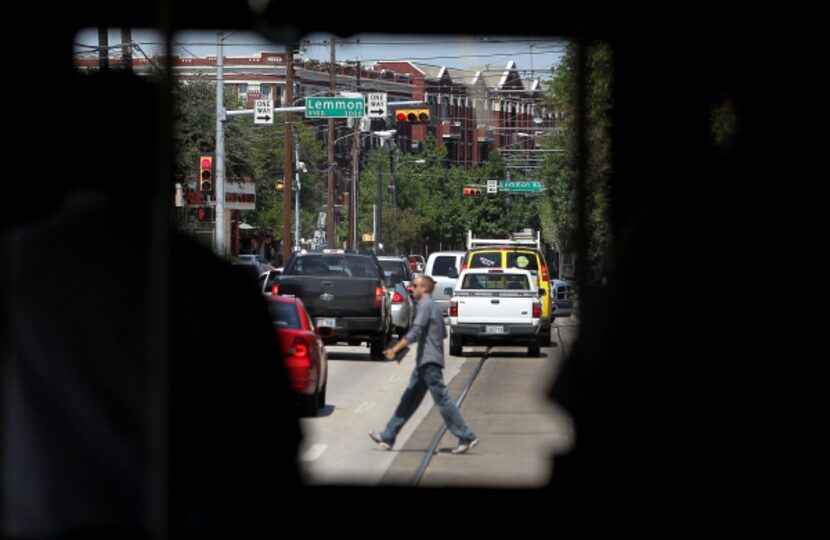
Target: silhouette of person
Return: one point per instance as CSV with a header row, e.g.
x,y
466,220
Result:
x,y
138,395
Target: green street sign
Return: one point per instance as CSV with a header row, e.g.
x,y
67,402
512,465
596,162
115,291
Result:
x,y
334,107
521,186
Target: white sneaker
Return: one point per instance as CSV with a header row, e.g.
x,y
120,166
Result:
x,y
463,447
377,438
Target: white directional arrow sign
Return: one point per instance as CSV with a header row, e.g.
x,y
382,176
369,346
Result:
x,y
264,111
376,105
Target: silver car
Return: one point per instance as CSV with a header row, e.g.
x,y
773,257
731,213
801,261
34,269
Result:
x,y
398,274
443,267
562,295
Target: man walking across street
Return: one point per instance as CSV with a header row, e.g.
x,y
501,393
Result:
x,y
428,330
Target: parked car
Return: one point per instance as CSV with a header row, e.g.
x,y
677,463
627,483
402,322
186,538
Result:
x,y
562,297
399,280
443,267
303,351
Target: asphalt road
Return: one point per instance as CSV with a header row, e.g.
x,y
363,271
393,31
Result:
x,y
507,407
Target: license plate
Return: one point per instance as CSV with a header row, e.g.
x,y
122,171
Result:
x,y
490,329
331,323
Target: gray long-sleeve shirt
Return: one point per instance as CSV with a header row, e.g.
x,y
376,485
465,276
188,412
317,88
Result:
x,y
429,331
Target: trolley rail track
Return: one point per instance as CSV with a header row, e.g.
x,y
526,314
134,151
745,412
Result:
x,y
439,434
436,439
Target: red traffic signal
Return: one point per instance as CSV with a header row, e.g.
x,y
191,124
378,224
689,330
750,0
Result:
x,y
413,116
206,173
472,190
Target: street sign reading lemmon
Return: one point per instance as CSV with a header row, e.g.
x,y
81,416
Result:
x,y
331,107
519,186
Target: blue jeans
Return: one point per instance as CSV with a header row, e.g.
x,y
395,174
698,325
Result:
x,y
429,376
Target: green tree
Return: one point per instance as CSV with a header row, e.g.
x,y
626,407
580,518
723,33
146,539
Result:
x,y
250,150
560,170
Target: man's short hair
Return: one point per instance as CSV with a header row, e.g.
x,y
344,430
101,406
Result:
x,y
429,281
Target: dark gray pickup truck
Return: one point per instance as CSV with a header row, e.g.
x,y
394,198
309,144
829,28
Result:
x,y
345,291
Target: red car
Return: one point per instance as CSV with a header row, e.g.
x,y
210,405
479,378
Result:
x,y
306,360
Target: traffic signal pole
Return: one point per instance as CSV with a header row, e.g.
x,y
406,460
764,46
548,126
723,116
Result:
x,y
219,166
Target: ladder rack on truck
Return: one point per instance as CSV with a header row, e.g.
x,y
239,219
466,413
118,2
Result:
x,y
524,238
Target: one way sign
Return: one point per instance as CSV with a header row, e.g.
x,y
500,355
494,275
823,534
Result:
x,y
264,111
376,105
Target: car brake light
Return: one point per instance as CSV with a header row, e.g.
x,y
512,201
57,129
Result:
x,y
453,309
413,266
463,266
496,271
409,289
378,296
298,348
275,290
537,310
545,273
397,298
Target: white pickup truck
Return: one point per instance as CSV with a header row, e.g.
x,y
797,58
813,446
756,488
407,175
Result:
x,y
495,307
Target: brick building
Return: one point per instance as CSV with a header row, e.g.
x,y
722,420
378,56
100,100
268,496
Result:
x,y
475,111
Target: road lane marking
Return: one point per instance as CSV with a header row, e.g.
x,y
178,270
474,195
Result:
x,y
366,407
314,453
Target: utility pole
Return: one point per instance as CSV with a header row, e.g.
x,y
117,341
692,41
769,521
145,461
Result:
x,y
378,234
219,173
330,199
355,177
289,124
126,50
297,194
392,169
103,50
356,166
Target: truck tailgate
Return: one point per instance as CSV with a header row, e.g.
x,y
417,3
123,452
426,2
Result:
x,y
333,296
506,308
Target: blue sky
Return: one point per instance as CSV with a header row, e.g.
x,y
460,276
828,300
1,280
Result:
x,y
532,55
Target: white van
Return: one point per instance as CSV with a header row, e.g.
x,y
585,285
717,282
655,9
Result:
x,y
443,267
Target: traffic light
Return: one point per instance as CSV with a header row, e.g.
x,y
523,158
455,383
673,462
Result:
x,y
473,190
206,173
413,116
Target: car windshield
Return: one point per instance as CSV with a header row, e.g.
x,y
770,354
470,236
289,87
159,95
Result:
x,y
284,315
496,281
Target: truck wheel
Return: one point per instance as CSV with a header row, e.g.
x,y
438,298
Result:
x,y
456,344
545,338
533,350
